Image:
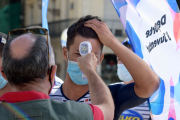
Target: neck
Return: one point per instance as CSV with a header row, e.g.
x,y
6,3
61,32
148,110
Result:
x,y
34,86
72,90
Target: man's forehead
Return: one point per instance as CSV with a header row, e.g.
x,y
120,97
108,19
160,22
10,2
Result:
x,y
78,39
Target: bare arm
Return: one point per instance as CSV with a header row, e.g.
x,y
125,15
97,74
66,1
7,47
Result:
x,y
100,94
146,80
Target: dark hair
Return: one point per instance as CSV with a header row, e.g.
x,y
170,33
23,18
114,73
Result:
x,y
31,67
78,28
2,35
127,44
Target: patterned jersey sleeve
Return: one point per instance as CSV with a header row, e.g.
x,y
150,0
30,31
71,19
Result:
x,y
124,98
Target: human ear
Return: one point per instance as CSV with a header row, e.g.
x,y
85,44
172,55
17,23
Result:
x,y
65,53
3,74
53,73
101,58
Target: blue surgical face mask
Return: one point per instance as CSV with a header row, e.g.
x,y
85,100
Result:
x,y
75,73
123,73
3,82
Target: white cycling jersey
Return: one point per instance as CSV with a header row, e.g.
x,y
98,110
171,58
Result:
x,y
140,112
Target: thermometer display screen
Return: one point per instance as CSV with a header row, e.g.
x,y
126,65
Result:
x,y
84,49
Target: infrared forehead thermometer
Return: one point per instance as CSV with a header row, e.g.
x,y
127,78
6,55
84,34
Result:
x,y
84,48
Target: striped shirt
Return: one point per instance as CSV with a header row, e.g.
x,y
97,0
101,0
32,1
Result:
x,y
140,112
57,94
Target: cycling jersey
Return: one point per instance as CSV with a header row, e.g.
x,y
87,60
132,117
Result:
x,y
124,98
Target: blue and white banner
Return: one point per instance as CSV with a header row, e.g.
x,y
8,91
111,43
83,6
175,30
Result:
x,y
44,13
153,27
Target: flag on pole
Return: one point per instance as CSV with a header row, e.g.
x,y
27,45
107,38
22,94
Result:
x,y
44,13
153,27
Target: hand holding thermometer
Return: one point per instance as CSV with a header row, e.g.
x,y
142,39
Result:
x,y
84,48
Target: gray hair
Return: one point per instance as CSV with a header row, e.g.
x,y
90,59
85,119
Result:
x,y
51,52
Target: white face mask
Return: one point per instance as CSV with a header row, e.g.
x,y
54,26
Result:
x,y
123,73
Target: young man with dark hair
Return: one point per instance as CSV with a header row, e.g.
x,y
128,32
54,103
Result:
x,y
78,29
4,85
29,66
90,28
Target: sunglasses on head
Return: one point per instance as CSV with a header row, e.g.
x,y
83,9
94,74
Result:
x,y
21,31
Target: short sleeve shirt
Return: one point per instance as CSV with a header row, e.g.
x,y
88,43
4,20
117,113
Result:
x,y
123,95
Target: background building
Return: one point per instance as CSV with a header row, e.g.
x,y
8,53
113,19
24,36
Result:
x,y
10,15
61,14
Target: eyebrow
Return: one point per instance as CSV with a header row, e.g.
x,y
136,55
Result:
x,y
78,51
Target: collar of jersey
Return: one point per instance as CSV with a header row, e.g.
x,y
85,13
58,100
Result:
x,y
13,97
68,98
